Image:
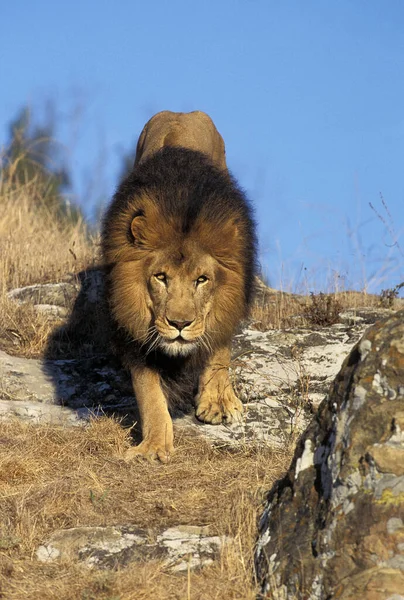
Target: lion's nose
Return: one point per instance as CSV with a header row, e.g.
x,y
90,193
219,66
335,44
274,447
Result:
x,y
179,324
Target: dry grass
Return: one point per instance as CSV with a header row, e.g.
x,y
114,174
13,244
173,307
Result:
x,y
50,478
137,582
282,310
35,247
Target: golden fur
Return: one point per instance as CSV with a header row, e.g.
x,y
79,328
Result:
x,y
179,243
194,130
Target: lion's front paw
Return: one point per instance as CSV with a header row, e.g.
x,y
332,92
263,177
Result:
x,y
219,407
151,450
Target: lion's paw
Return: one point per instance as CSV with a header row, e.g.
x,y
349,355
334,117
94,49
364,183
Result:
x,y
150,450
222,408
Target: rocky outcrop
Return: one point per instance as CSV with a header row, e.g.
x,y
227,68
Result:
x,y
334,523
334,526
53,298
281,376
180,548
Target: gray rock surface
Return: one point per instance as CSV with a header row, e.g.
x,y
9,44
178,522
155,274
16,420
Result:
x,y
280,376
53,298
181,548
334,526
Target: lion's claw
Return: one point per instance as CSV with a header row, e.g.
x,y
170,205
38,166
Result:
x,y
227,409
150,451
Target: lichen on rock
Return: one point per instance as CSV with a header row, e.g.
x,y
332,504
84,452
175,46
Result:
x,y
333,527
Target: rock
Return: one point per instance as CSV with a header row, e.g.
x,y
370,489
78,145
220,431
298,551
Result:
x,y
334,526
180,548
299,362
58,294
54,299
279,375
81,297
37,413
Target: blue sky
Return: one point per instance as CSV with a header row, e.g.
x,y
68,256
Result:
x,y
308,95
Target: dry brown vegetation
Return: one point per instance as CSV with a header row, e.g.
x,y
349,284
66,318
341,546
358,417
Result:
x,y
282,310
50,476
35,247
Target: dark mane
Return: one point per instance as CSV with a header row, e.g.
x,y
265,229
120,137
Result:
x,y
189,189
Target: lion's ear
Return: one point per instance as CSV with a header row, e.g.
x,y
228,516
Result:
x,y
138,228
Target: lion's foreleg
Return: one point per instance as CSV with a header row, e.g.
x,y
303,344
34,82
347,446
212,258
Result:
x,y
157,426
216,401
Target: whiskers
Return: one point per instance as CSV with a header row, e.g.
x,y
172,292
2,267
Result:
x,y
205,342
151,339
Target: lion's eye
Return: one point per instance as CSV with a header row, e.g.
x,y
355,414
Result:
x,y
201,279
161,277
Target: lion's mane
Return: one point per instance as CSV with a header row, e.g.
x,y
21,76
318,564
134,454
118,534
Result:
x,y
183,195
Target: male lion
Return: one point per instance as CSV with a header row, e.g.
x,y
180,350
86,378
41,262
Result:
x,y
180,250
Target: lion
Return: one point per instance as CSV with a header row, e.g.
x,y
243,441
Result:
x,y
179,248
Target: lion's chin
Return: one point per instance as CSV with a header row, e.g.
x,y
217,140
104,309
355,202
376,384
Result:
x,y
177,348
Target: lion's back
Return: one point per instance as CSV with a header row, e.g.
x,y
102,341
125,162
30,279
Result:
x,y
194,131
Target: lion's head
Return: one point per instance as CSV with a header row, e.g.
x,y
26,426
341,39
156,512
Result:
x,y
180,288
179,242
